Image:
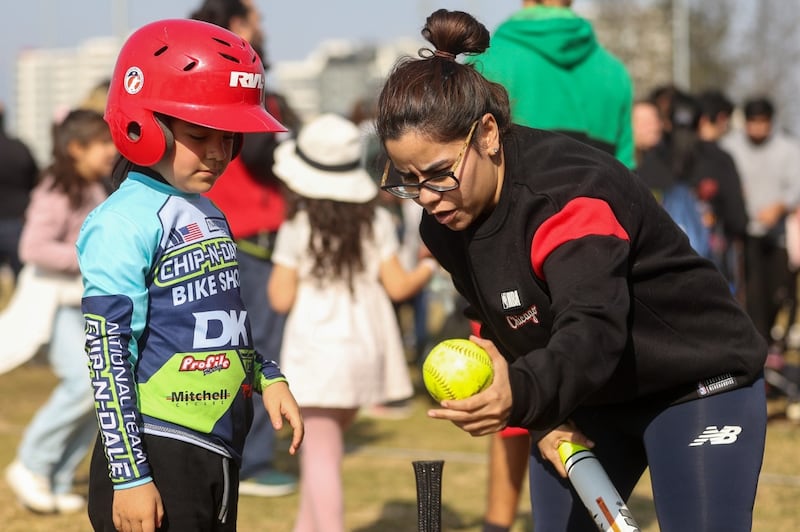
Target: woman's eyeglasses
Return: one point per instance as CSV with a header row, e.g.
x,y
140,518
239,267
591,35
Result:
x,y
439,183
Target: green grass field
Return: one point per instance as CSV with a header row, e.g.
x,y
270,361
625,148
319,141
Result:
x,y
379,479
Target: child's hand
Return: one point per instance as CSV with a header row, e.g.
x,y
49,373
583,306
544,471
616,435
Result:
x,y
279,403
138,509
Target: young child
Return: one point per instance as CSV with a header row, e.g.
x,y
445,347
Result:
x,y
335,262
170,352
61,432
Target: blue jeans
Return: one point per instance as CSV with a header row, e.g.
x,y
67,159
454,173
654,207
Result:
x,y
267,329
62,431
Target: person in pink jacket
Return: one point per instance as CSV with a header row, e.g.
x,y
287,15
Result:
x,y
62,431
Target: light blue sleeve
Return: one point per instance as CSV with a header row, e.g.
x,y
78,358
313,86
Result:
x,y
115,250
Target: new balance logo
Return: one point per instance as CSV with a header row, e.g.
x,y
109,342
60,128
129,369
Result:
x,y
724,436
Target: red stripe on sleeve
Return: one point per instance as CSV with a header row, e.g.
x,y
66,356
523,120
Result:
x,y
475,328
579,218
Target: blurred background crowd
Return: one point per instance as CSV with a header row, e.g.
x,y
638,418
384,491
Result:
x,y
713,117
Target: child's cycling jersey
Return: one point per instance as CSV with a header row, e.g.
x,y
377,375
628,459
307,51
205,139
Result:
x,y
167,335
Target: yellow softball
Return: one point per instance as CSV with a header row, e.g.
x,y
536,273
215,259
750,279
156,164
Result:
x,y
456,369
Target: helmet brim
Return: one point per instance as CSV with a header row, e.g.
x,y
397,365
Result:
x,y
253,119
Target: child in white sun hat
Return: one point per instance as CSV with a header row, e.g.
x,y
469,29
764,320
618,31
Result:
x,y
336,270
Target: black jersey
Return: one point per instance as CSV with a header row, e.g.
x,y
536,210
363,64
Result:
x,y
590,290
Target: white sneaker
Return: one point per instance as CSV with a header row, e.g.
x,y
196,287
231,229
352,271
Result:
x,y
69,503
32,490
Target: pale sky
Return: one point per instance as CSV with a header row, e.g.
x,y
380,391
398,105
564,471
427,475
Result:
x,y
293,27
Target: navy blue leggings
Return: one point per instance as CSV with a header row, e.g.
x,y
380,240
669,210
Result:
x,y
704,457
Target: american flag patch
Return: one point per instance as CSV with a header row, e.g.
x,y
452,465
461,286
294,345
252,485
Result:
x,y
191,232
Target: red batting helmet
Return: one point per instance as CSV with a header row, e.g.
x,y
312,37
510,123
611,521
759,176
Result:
x,y
187,69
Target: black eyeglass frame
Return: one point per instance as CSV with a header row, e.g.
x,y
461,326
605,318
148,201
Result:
x,y
400,190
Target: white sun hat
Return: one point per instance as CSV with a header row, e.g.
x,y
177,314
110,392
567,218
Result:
x,y
325,162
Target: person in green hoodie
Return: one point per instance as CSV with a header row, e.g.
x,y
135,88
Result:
x,y
558,77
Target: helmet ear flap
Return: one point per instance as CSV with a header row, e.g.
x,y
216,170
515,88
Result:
x,y
140,138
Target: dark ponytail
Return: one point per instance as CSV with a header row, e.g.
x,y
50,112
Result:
x,y
435,94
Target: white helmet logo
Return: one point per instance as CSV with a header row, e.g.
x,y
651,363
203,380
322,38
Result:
x,y
248,80
134,80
